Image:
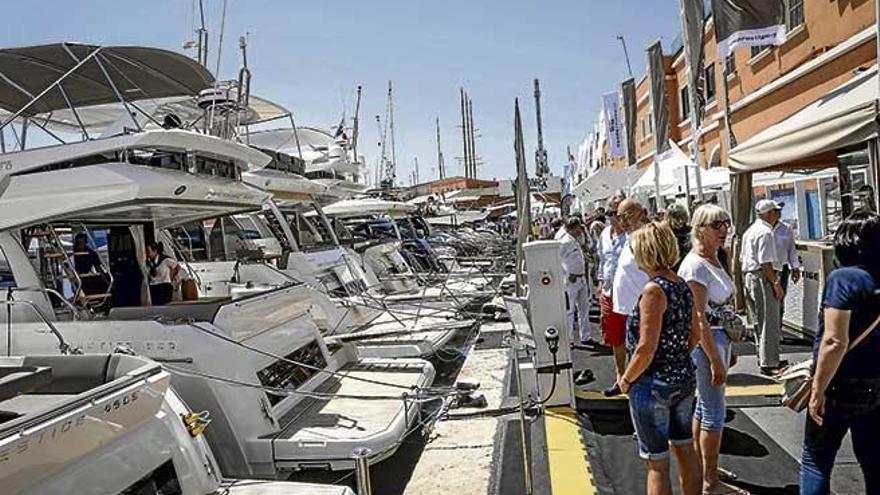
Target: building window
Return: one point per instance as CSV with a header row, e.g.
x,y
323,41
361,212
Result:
x,y
684,106
709,74
729,65
794,14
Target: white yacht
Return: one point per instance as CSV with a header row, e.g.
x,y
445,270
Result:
x,y
109,423
280,398
326,158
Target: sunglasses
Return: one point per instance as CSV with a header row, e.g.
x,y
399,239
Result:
x,y
719,224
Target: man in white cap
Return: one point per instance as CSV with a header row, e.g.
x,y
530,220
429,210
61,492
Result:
x,y
761,267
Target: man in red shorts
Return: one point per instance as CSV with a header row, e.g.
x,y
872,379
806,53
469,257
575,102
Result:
x,y
610,244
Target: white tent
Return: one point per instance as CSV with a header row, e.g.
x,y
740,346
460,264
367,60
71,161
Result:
x,y
844,117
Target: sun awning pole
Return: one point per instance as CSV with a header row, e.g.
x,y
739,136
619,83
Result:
x,y
75,113
299,150
50,88
117,93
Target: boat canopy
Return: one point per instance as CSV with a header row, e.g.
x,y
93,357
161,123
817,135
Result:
x,y
97,118
46,78
846,116
122,192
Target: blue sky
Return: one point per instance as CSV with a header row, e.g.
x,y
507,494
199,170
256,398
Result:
x,y
310,56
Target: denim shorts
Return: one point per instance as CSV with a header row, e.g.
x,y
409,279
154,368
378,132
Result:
x,y
661,414
710,410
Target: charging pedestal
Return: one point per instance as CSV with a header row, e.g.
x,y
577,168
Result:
x,y
547,316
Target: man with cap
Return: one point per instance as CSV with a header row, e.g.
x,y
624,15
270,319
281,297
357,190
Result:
x,y
761,267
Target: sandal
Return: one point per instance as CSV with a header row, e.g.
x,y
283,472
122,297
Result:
x,y
729,490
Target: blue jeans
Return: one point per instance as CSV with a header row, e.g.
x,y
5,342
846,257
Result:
x,y
711,408
661,414
851,406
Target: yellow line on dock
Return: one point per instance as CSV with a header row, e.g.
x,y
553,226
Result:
x,y
569,467
767,390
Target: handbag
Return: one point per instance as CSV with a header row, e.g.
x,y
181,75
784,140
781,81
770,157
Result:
x,y
797,379
724,316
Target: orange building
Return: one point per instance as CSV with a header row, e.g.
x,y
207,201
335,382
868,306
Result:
x,y
828,44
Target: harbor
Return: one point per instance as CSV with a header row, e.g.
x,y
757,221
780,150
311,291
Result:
x,y
423,250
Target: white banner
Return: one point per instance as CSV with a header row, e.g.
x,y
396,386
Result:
x,y
613,125
772,35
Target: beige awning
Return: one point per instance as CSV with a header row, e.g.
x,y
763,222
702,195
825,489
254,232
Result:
x,y
845,116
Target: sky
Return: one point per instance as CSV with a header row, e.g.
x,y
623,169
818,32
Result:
x,y
311,56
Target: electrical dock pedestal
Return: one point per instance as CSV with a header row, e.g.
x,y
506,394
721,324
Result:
x,y
547,317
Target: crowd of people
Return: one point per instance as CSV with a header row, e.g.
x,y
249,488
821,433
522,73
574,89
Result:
x,y
665,289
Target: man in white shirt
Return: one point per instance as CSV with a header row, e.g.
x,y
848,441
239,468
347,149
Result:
x,y
761,266
791,264
574,269
610,245
629,280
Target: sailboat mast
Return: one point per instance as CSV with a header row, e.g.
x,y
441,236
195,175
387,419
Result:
x,y
392,172
356,129
440,167
540,154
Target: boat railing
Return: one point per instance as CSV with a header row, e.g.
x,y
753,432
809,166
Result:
x,y
10,303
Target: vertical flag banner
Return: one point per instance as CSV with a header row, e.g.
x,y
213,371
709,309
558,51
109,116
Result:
x,y
659,105
611,105
628,89
748,23
693,17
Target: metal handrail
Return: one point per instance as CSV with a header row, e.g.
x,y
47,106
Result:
x,y
63,346
74,310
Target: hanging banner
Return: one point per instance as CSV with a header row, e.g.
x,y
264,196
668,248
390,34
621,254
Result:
x,y
613,125
628,90
693,16
659,104
748,23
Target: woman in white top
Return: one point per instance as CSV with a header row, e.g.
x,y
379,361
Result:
x,y
713,291
163,270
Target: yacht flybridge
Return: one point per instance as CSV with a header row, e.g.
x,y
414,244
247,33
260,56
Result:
x,y
76,221
109,423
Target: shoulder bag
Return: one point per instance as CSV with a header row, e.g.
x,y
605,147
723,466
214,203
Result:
x,y
797,380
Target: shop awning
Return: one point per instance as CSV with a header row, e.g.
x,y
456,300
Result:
x,y
844,117
605,182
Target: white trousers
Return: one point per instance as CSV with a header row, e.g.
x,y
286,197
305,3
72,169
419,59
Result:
x,y
578,295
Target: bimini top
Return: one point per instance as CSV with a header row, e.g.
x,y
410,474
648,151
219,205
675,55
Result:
x,y
101,118
368,207
86,71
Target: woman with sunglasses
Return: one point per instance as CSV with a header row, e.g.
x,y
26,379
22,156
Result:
x,y
713,291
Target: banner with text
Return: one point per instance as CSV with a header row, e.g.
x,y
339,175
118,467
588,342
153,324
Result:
x,y
611,104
